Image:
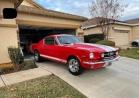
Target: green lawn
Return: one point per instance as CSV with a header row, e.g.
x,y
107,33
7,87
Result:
x,y
46,87
131,53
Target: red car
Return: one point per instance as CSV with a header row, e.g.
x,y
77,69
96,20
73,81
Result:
x,y
78,56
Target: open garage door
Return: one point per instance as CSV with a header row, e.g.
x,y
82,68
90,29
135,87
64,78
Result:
x,y
29,35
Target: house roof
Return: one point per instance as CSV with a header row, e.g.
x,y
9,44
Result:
x,y
133,21
93,21
16,2
90,22
46,12
35,4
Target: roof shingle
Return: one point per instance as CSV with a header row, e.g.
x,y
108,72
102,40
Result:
x,y
133,21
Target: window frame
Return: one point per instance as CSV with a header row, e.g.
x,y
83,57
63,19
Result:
x,y
54,41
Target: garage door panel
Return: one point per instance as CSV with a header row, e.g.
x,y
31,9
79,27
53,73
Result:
x,y
121,39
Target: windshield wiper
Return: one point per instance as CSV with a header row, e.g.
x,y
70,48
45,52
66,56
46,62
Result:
x,y
67,43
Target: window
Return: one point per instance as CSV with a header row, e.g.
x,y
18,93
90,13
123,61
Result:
x,y
122,31
50,41
68,39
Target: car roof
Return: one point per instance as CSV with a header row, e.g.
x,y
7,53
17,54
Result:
x,y
55,35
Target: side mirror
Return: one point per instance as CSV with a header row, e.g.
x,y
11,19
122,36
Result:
x,y
9,13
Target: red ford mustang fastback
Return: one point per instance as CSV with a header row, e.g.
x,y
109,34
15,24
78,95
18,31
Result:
x,y
70,50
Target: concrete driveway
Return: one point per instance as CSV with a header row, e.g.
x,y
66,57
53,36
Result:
x,y
121,80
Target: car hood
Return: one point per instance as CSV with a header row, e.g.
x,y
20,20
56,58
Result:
x,y
93,47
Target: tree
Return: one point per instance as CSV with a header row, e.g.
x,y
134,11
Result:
x,y
106,13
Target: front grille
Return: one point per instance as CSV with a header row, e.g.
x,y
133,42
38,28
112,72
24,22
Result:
x,y
110,55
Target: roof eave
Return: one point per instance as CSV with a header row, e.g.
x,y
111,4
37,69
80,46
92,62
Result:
x,y
26,9
120,23
17,3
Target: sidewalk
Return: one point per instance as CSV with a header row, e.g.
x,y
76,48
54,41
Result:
x,y
21,76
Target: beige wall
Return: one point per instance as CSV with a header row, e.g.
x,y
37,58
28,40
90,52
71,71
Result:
x,y
95,30
135,32
121,35
8,33
8,37
45,21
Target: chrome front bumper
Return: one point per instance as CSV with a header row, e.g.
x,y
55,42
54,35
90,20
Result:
x,y
103,62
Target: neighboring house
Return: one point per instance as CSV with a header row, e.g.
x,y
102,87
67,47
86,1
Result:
x,y
32,23
122,33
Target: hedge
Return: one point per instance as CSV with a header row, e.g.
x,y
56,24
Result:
x,y
106,42
93,38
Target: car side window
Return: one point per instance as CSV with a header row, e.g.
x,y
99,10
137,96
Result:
x,y
50,41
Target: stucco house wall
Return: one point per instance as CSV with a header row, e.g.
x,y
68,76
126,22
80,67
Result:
x,y
94,30
121,35
46,21
8,32
136,32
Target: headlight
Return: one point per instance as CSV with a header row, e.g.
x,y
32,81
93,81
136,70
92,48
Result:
x,y
117,53
102,55
91,55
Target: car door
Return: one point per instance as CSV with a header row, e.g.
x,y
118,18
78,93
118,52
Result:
x,y
50,47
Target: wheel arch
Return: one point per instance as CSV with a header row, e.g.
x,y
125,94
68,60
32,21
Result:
x,y
73,56
35,50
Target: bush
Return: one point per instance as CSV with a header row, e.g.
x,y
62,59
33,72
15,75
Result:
x,y
28,64
106,42
16,57
93,38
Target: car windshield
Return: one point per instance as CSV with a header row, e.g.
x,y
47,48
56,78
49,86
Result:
x,y
66,39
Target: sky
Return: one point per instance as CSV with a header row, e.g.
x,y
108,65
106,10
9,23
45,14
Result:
x,y
81,7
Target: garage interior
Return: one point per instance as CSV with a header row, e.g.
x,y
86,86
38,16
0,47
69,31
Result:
x,y
29,35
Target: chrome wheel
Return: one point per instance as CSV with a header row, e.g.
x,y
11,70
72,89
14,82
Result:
x,y
73,65
36,56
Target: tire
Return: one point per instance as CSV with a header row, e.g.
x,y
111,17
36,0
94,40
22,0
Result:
x,y
37,57
135,44
74,66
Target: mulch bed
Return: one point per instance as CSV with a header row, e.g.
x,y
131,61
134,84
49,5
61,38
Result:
x,y
10,68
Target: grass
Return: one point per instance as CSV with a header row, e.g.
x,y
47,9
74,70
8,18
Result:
x,y
45,87
131,53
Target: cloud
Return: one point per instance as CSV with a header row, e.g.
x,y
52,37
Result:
x,y
81,7
77,7
132,11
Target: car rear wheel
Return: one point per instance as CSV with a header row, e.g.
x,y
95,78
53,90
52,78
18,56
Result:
x,y
74,67
37,57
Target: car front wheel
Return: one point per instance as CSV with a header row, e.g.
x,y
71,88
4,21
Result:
x,y
74,67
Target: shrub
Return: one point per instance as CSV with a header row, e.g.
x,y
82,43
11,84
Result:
x,y
16,57
94,40
28,64
88,38
106,42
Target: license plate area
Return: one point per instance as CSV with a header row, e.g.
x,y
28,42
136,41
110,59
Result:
x,y
107,64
